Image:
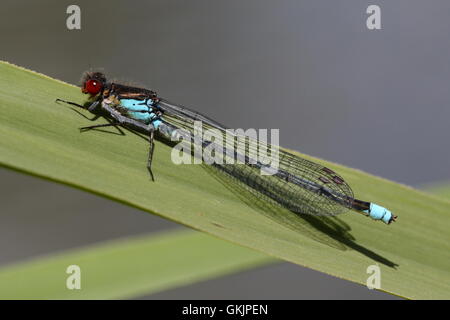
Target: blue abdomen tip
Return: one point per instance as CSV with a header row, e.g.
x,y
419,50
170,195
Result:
x,y
377,212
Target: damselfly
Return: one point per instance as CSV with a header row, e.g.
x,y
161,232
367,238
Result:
x,y
298,184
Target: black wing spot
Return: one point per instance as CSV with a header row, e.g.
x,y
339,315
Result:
x,y
338,180
324,180
329,171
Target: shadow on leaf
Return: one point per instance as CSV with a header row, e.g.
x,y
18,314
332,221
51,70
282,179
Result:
x,y
328,230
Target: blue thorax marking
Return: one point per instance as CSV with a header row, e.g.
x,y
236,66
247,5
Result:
x,y
141,110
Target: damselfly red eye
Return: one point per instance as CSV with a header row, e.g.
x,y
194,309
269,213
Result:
x,y
92,87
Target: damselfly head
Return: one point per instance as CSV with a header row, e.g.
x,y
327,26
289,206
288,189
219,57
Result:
x,y
93,83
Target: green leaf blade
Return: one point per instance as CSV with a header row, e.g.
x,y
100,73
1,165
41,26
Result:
x,y
128,267
41,137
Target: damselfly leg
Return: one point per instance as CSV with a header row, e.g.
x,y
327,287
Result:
x,y
91,108
71,103
150,153
116,120
103,125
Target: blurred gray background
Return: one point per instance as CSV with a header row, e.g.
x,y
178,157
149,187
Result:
x,y
372,100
